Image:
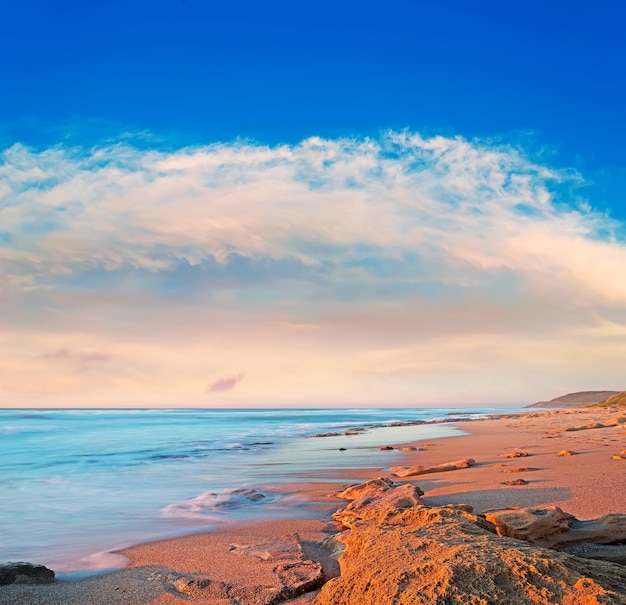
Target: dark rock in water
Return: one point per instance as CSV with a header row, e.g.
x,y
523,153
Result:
x,y
25,573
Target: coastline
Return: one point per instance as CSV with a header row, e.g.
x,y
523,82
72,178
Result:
x,y
587,484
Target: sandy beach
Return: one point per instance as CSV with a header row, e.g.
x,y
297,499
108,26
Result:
x,y
558,455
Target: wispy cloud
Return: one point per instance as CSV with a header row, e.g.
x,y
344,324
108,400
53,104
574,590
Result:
x,y
403,252
80,356
225,384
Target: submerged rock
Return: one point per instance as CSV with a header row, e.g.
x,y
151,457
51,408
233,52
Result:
x,y
25,573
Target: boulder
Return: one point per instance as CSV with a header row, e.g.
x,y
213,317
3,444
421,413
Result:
x,y
553,528
374,486
372,503
25,573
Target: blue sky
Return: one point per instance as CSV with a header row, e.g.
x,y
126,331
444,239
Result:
x,y
326,203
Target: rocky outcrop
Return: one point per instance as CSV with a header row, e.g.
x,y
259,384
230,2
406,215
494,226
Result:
x,y
553,528
25,573
414,471
416,555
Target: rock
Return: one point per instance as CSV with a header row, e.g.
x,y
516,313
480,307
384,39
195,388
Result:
x,y
525,469
517,454
616,421
25,573
553,528
428,556
410,449
289,573
190,585
616,553
412,471
374,486
195,585
281,572
468,508
515,482
386,448
566,453
619,457
371,503
532,525
585,427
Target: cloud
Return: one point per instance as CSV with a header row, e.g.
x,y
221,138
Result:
x,y
340,269
461,209
225,384
82,357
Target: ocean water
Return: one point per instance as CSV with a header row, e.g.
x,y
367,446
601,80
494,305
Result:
x,y
76,484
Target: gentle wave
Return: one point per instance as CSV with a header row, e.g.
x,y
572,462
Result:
x,y
208,504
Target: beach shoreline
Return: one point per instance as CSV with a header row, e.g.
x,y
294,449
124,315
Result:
x,y
587,482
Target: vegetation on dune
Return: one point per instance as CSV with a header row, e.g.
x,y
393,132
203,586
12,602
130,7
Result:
x,y
614,401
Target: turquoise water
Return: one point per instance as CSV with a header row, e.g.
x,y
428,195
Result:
x,y
75,484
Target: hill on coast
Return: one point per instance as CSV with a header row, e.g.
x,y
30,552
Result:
x,y
577,400
616,400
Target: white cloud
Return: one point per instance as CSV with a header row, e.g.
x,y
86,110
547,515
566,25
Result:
x,y
348,246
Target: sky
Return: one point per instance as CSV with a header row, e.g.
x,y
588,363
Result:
x,y
241,204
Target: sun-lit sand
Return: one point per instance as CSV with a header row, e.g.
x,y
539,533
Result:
x,y
588,483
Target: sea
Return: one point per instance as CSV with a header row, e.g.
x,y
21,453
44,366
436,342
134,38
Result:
x,y
77,484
